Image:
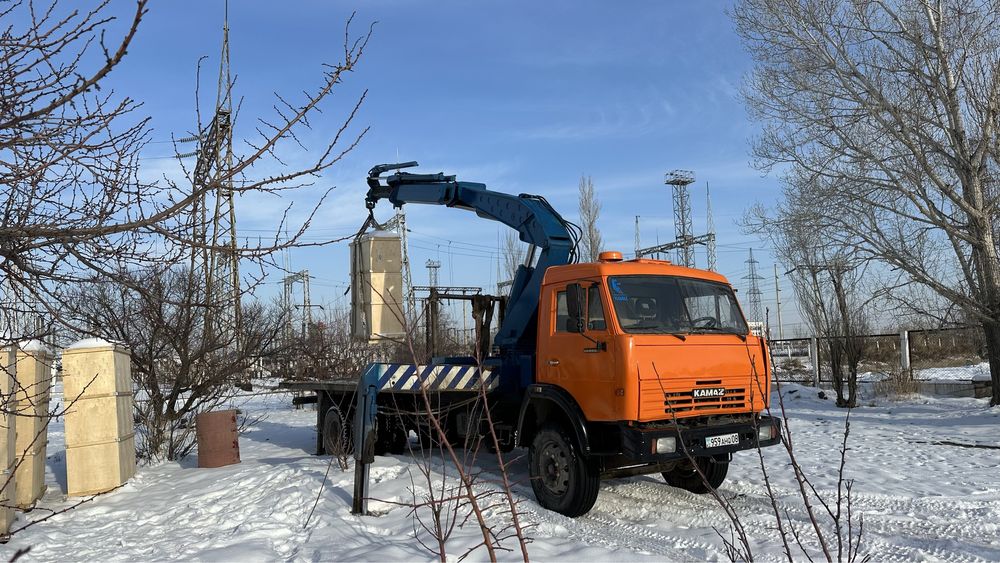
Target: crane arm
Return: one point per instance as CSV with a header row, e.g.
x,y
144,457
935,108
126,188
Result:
x,y
536,222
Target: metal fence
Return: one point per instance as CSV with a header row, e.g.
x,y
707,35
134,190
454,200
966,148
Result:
x,y
792,359
956,354
941,355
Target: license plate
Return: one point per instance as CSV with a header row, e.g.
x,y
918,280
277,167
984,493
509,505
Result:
x,y
723,440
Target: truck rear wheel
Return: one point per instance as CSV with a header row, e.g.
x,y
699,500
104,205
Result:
x,y
336,439
684,476
563,480
391,435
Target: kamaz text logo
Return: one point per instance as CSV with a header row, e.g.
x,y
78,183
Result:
x,y
711,392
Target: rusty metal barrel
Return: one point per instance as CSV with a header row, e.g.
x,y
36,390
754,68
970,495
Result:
x,y
218,439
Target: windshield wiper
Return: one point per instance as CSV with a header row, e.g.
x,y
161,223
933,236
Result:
x,y
641,326
718,330
656,326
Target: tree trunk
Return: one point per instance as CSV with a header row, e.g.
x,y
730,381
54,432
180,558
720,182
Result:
x,y
837,368
855,353
992,332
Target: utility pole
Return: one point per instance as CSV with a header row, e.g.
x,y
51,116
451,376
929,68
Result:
x,y
777,300
432,312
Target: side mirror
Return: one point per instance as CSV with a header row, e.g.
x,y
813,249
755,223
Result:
x,y
575,297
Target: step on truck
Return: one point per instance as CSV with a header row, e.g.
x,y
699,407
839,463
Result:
x,y
601,370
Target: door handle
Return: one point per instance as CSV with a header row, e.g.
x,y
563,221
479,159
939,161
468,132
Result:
x,y
553,362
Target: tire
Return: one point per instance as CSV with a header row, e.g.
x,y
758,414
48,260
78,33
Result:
x,y
391,436
563,480
336,437
685,477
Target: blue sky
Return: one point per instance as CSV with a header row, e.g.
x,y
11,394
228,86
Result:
x,y
523,96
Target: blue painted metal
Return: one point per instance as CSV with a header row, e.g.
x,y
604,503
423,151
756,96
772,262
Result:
x,y
365,412
531,216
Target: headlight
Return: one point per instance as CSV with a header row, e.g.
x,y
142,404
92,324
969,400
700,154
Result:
x,y
765,433
665,445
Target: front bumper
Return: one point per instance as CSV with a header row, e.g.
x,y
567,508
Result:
x,y
638,442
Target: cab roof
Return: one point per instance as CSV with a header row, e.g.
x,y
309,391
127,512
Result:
x,y
640,266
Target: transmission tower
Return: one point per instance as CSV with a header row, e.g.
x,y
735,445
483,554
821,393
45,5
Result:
x,y
432,272
753,293
679,181
215,259
305,320
637,245
398,222
710,242
684,242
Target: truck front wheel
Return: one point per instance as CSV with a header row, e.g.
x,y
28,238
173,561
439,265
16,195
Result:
x,y
684,476
563,480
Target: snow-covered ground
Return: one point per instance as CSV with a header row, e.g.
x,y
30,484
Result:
x,y
971,372
920,496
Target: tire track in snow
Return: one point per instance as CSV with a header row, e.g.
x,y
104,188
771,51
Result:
x,y
602,526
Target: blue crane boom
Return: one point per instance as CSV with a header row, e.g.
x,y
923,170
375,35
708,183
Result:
x,y
536,222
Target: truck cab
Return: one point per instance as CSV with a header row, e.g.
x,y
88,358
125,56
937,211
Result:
x,y
642,366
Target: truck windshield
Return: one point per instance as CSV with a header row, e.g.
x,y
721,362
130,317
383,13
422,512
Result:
x,y
665,305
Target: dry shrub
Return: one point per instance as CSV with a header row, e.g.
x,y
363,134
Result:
x,y
898,384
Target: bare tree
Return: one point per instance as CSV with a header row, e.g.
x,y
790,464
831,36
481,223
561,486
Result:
x,y
828,281
590,210
77,210
511,256
179,366
886,116
75,205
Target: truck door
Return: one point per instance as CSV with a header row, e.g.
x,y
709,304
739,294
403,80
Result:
x,y
581,365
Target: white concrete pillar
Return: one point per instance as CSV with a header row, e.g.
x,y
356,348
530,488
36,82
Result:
x,y
100,438
34,384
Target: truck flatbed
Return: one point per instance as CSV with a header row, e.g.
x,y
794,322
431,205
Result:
x,y
399,386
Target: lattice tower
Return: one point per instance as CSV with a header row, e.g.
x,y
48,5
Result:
x,y
679,180
432,272
754,309
215,259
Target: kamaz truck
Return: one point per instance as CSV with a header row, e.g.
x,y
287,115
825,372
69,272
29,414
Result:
x,y
601,370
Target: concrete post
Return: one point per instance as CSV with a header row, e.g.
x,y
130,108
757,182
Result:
x,y
904,354
34,383
814,357
8,455
100,437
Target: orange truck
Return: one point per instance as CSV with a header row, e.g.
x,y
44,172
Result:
x,y
601,370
